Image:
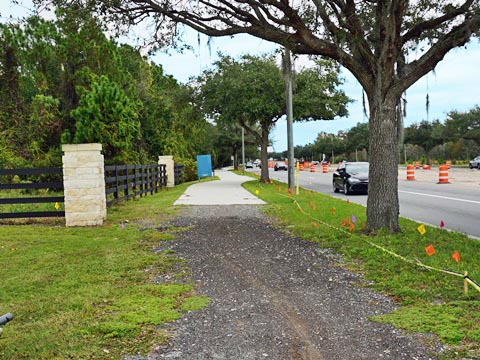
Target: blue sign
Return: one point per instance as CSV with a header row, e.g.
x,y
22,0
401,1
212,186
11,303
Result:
x,y
204,166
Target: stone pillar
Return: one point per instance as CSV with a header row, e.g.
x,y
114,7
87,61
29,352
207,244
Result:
x,y
168,160
84,185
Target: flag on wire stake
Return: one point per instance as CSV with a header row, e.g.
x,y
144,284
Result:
x,y
430,250
456,256
354,219
421,229
344,222
442,224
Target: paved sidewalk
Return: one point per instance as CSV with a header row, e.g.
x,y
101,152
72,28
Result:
x,y
226,191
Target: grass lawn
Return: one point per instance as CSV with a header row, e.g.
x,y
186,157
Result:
x,y
430,300
89,293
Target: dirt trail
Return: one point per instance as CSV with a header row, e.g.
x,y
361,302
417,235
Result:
x,y
275,297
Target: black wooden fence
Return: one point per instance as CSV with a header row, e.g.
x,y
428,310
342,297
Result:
x,y
178,173
127,181
28,181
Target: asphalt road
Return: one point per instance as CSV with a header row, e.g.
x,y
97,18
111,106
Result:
x,y
457,203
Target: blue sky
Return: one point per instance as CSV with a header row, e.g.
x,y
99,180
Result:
x,y
453,86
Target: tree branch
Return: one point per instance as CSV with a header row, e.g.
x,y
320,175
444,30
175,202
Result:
x,y
458,36
420,28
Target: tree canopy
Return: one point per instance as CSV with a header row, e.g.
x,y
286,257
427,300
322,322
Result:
x,y
251,93
64,80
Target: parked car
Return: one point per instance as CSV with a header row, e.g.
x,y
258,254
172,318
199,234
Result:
x,y
475,163
280,165
351,177
249,165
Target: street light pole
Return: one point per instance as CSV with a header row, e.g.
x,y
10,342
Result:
x,y
243,151
291,157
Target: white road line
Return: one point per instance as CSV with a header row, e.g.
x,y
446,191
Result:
x,y
439,197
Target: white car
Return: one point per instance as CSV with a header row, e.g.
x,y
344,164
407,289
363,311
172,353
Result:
x,y
475,163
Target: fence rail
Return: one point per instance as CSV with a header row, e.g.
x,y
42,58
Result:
x,y
25,182
123,182
178,173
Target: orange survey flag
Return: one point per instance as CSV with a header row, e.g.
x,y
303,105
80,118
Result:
x,y
352,226
430,250
456,256
344,222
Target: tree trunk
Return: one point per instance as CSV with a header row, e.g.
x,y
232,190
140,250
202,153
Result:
x,y
235,157
264,177
382,203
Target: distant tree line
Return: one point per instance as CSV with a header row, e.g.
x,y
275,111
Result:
x,y
66,81
457,138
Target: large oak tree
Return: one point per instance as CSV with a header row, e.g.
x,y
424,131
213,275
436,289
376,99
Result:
x,y
251,92
387,45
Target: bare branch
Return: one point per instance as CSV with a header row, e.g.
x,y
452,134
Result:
x,y
420,28
458,36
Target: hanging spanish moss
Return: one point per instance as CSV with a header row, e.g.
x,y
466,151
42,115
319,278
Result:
x,y
427,105
364,105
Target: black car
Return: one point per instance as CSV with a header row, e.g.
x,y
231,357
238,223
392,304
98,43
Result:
x,y
351,177
280,165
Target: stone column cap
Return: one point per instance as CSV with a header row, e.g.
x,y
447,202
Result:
x,y
81,147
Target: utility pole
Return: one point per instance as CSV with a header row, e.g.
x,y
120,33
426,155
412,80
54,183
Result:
x,y
291,158
243,151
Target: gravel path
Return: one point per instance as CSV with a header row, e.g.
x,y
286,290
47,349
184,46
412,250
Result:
x,y
275,297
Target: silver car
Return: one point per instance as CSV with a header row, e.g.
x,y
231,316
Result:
x,y
475,163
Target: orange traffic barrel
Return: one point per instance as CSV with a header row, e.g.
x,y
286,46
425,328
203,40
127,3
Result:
x,y
410,172
417,165
301,166
324,168
312,167
426,167
443,175
448,163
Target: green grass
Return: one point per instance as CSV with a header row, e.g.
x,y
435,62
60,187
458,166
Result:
x,y
431,301
87,293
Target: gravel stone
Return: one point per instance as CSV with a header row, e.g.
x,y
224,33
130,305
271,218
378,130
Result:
x,y
274,296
